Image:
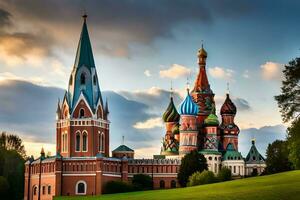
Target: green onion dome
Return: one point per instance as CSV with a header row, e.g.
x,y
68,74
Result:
x,y
171,114
211,120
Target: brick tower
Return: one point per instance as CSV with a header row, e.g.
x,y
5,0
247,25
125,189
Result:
x,y
82,127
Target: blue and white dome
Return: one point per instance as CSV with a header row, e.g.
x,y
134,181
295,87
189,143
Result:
x,y
188,106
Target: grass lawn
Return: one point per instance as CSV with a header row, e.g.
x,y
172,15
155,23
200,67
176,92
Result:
x,y
273,187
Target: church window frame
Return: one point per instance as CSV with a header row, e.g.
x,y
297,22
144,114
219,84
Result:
x,y
78,190
49,189
85,141
81,113
102,143
77,141
35,188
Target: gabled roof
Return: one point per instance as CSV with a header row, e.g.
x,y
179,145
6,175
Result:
x,y
232,154
254,157
123,148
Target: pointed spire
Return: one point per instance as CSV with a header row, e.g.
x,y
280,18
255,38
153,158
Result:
x,y
84,55
123,139
171,90
42,152
227,91
106,106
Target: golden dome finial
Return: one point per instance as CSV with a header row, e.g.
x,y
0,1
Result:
x,y
202,52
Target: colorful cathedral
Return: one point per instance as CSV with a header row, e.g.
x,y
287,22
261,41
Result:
x,y
82,164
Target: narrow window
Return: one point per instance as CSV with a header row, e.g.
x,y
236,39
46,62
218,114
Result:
x,y
81,113
102,142
82,79
44,190
77,141
99,142
84,142
35,190
49,189
94,80
71,80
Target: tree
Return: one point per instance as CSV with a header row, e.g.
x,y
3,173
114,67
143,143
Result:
x,y
11,142
190,163
142,182
294,143
12,154
289,99
200,178
289,104
224,174
277,157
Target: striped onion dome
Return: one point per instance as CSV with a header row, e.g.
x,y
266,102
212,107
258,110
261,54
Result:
x,y
171,114
188,106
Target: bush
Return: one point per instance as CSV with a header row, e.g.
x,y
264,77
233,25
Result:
x,y
200,178
117,187
224,174
190,163
142,182
4,188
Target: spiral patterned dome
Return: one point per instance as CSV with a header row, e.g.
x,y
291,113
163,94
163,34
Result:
x,y
188,106
228,106
171,114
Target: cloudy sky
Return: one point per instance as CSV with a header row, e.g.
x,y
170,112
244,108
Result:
x,y
139,48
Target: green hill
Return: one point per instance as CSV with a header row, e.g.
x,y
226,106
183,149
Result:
x,y
278,186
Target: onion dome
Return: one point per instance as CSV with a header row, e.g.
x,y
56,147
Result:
x,y
171,114
202,52
188,106
228,106
211,120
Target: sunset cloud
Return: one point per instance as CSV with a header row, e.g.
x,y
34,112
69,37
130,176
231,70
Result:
x,y
221,73
149,123
272,71
175,71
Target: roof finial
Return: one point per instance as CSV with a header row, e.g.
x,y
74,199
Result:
x,y
187,85
253,141
227,92
84,16
171,89
202,44
123,139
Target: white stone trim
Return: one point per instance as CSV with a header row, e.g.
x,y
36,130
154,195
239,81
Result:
x,y
112,175
82,97
93,174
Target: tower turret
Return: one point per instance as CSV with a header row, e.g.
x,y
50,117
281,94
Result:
x,y
82,128
189,126
171,140
229,130
202,94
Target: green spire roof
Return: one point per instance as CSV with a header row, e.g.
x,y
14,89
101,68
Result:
x,y
123,148
254,157
84,55
171,114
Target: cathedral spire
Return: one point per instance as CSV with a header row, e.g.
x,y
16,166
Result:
x,y
202,83
84,54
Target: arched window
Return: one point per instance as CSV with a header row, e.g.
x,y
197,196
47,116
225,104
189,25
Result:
x,y
77,142
173,184
44,190
99,112
99,141
35,190
102,143
49,189
162,184
81,188
64,142
82,79
84,141
81,113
